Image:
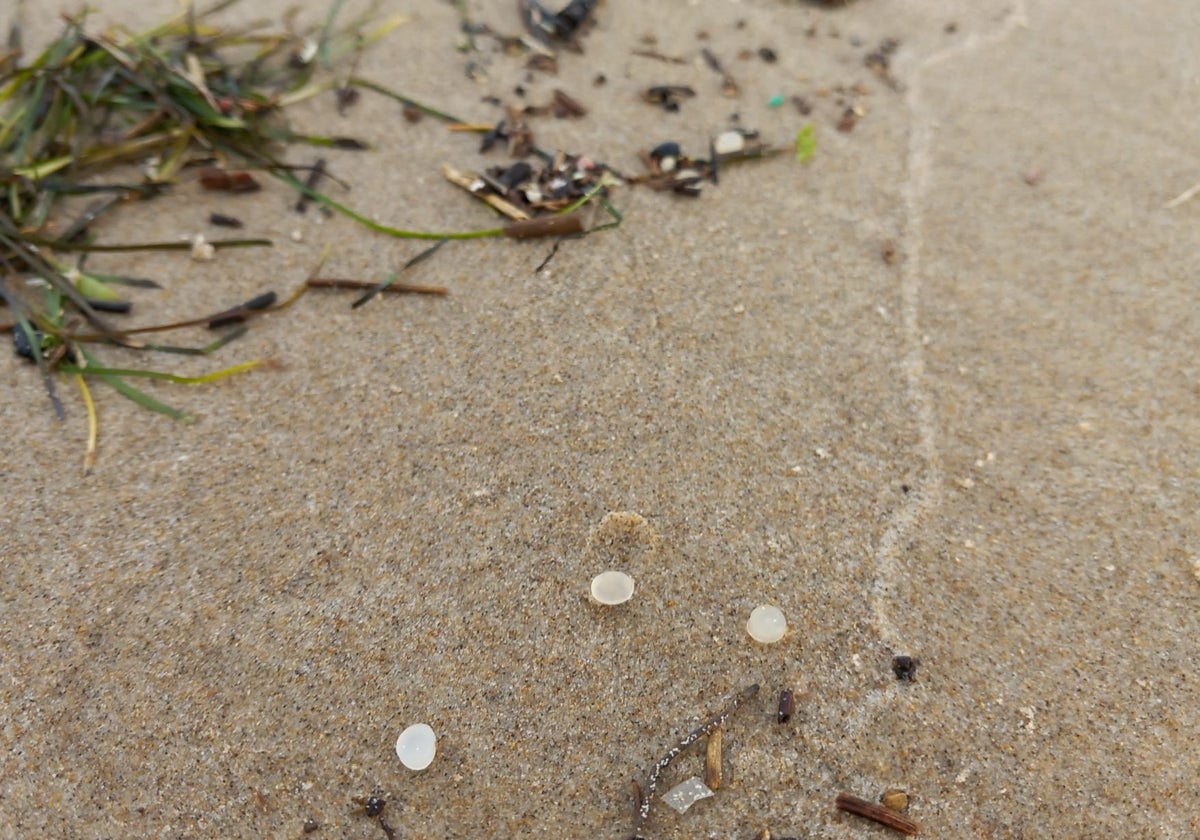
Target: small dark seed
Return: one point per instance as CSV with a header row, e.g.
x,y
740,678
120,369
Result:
x,y
787,705
221,220
905,667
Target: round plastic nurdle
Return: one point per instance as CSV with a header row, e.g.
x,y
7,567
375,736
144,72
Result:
x,y
612,588
766,624
416,746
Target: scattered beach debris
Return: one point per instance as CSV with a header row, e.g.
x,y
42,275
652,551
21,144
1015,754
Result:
x,y
669,169
879,62
612,588
787,706
669,97
729,87
417,746
877,813
373,806
686,794
905,667
557,28
767,624
645,796
195,104
555,184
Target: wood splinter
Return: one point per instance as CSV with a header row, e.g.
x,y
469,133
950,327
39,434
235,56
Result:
x,y
877,813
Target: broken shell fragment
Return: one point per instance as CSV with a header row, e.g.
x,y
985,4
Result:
x,y
611,588
767,624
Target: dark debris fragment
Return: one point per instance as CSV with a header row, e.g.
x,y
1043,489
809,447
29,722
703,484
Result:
x,y
879,62
670,97
546,188
562,27
671,170
905,667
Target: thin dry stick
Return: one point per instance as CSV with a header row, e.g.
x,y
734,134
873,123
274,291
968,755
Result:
x,y
1186,195
337,283
876,812
467,181
692,737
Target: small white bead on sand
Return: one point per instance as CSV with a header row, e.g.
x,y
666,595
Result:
x,y
612,588
416,746
686,794
766,624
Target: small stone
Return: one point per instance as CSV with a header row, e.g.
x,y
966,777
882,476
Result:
x,y
686,794
416,746
767,624
612,588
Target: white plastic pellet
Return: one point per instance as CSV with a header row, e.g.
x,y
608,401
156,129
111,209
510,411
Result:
x,y
766,624
612,588
416,746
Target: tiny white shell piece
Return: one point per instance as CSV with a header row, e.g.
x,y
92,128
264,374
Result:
x,y
416,746
728,142
766,624
612,588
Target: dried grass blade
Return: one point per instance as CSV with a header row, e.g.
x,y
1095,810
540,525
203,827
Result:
x,y
97,370
89,456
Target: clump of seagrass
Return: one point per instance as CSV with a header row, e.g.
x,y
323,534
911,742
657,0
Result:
x,y
183,92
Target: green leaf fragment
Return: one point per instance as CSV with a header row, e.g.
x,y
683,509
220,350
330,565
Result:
x,y
806,143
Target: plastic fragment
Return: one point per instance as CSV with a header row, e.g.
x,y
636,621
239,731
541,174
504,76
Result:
x,y
686,794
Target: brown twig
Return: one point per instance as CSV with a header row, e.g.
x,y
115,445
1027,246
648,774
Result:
x,y
876,812
335,283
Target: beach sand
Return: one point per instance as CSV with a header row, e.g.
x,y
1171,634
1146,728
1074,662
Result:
x,y
980,451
